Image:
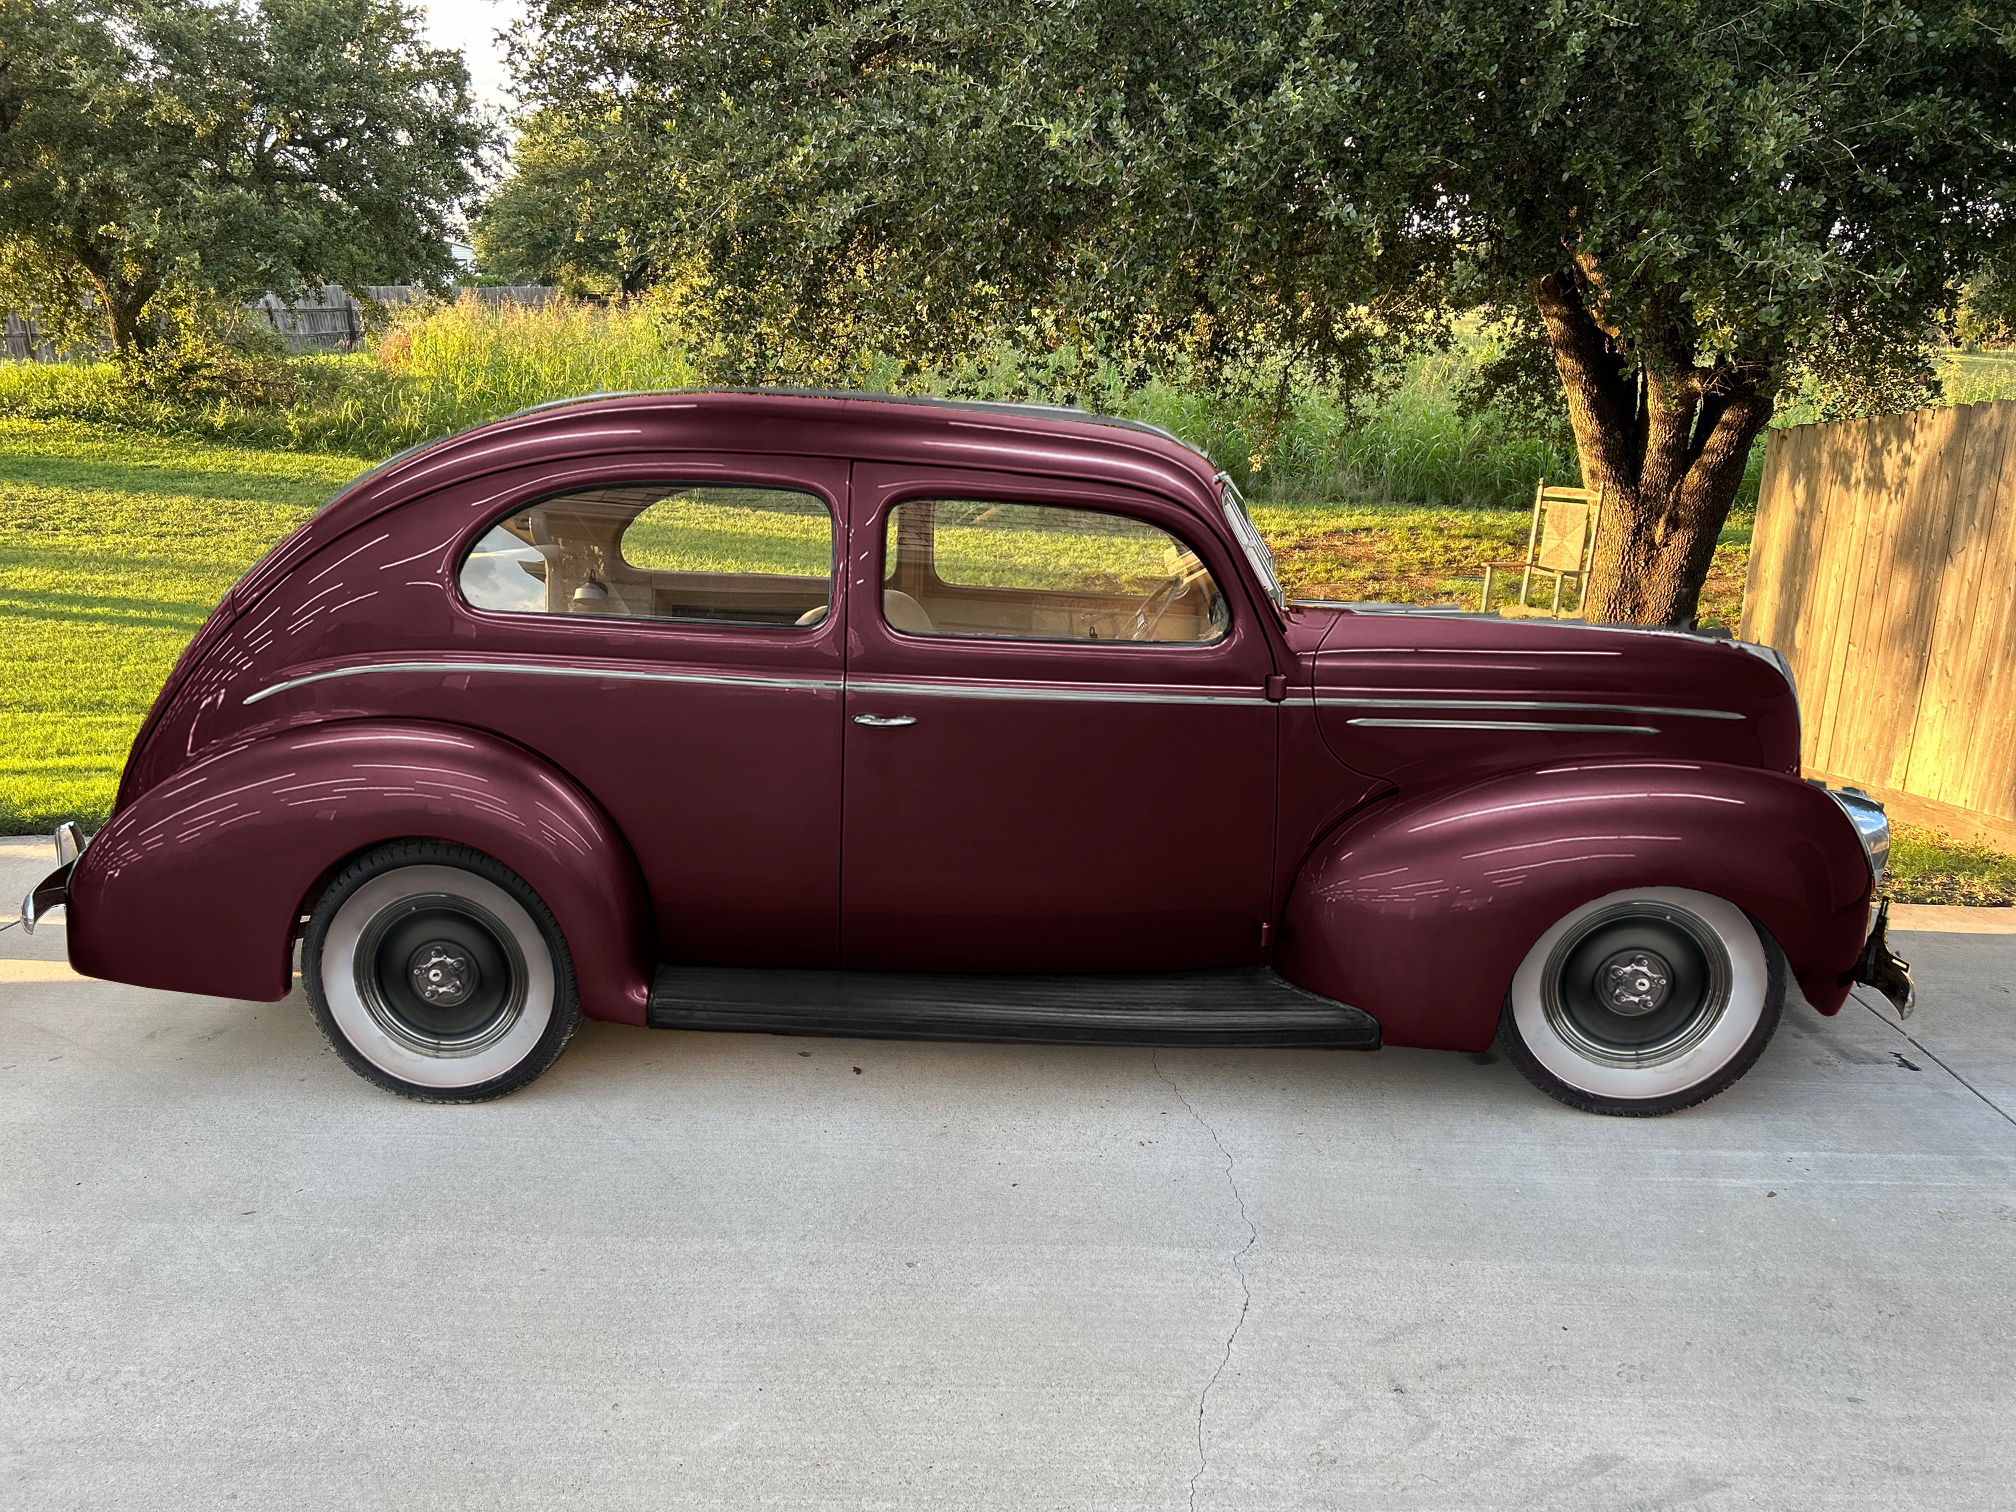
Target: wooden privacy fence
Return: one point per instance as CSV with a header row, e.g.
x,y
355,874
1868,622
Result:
x,y
1884,567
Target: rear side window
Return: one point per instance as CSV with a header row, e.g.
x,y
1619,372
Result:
x,y
965,567
692,552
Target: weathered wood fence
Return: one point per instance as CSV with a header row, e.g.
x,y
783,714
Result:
x,y
19,338
328,320
1884,567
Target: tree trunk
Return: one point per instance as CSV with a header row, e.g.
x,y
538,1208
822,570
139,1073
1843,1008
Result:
x,y
1666,443
125,303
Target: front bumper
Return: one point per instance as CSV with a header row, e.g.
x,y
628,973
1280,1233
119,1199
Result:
x,y
53,891
1880,967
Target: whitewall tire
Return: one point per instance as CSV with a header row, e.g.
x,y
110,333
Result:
x,y
1644,1001
435,972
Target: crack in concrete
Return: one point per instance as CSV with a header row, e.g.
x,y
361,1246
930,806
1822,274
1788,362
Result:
x,y
1238,1267
1912,1039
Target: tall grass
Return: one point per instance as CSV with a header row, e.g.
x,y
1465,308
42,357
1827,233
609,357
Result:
x,y
462,364
1973,377
443,368
431,371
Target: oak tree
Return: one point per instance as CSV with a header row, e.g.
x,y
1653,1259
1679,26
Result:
x,y
224,147
1684,205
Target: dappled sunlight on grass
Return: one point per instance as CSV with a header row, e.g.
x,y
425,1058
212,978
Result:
x,y
113,551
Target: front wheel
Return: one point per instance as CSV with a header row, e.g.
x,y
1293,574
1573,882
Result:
x,y
435,972
1644,1002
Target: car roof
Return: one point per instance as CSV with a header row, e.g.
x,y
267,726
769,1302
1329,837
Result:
x,y
876,396
1071,415
834,422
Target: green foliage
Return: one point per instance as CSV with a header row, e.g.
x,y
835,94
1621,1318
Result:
x,y
566,214
1986,315
1973,378
1688,204
205,357
220,147
434,370
1754,183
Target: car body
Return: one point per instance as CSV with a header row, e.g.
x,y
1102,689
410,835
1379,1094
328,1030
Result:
x,y
849,714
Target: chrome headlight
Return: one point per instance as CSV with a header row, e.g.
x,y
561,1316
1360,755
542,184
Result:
x,y
1872,826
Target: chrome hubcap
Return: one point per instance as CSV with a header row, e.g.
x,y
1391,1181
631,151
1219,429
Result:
x,y
1634,982
443,974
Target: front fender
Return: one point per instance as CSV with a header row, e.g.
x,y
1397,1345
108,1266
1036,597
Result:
x,y
1420,908
197,885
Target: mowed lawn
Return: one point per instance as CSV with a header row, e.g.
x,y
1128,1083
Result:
x,y
113,550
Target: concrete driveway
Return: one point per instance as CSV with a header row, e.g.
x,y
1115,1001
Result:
x,y
693,1270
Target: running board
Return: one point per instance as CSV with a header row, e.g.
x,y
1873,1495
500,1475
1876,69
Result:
x,y
1242,1006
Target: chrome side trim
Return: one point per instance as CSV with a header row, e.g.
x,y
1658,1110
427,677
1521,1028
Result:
x,y
624,674
1030,694
1502,724
1507,703
1375,606
1055,695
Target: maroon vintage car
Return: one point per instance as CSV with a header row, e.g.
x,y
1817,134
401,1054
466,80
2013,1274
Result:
x,y
843,714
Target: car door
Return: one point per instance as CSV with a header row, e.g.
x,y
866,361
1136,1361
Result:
x,y
1060,755
667,631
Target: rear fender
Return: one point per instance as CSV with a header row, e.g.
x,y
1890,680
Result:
x,y
198,884
1420,908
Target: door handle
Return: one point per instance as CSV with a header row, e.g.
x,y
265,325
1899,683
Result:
x,y
885,721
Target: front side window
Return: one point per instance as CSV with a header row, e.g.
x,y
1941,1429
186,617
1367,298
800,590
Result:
x,y
967,567
658,551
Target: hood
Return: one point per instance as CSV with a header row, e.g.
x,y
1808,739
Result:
x,y
1417,697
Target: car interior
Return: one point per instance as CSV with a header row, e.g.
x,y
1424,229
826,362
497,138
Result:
x,y
1039,572
727,555
761,556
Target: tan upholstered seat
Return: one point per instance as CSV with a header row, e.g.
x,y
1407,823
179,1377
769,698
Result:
x,y
904,613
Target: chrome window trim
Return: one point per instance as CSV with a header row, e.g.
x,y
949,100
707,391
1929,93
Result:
x,y
1029,694
1252,545
835,539
1510,703
1502,724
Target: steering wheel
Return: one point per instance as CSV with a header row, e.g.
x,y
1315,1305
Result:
x,y
1156,606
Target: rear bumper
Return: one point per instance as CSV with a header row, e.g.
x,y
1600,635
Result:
x,y
53,891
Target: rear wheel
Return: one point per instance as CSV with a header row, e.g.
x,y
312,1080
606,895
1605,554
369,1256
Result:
x,y
436,972
1644,1002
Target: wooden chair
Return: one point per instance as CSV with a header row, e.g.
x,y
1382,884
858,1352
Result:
x,y
1561,545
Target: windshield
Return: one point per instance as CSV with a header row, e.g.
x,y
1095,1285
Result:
x,y
1251,542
